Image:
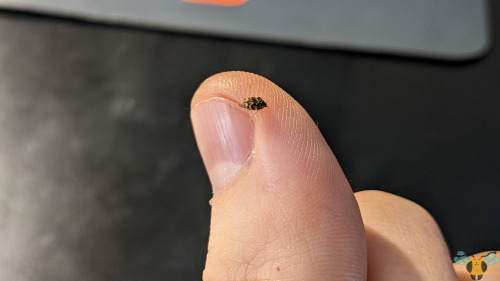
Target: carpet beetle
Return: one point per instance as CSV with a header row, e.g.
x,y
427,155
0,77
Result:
x,y
254,103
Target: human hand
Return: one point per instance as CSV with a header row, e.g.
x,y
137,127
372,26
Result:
x,y
282,208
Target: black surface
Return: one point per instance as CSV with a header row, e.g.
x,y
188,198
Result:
x,y
100,177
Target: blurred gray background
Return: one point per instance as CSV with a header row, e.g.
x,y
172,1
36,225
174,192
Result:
x,y
444,29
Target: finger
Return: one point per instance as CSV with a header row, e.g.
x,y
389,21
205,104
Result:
x,y
404,242
282,208
492,272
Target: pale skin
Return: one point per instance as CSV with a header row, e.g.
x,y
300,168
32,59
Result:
x,y
282,208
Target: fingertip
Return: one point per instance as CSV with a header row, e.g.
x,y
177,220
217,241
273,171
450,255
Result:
x,y
235,86
401,232
227,133
290,206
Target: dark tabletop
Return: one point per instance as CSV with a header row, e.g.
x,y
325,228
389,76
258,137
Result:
x,y
101,179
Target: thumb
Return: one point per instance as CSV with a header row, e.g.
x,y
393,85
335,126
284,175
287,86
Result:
x,y
282,207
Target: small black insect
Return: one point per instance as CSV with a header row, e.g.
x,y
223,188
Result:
x,y
254,103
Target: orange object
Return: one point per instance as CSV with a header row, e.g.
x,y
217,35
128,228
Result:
x,y
219,2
